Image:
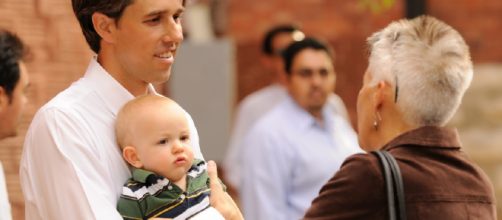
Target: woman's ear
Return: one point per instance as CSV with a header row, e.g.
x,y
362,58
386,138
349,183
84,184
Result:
x,y
104,26
382,94
131,156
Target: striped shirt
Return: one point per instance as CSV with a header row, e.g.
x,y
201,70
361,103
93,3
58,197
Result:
x,y
148,195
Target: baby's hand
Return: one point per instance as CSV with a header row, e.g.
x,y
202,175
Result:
x,y
220,200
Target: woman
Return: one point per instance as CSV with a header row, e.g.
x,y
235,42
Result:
x,y
418,72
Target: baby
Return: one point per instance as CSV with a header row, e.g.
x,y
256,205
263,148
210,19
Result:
x,y
167,182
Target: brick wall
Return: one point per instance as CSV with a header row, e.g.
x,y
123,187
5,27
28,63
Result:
x,y
344,24
61,55
479,22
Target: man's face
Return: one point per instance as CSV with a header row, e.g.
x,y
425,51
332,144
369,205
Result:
x,y
10,113
312,79
162,141
146,39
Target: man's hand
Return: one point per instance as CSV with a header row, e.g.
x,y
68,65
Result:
x,y
220,200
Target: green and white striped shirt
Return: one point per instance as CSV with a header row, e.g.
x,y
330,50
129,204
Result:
x,y
148,195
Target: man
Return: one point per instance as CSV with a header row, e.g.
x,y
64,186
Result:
x,y
254,106
13,84
298,145
71,165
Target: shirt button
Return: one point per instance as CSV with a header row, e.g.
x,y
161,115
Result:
x,y
169,187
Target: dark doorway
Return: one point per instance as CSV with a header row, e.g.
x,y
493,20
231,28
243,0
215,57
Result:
x,y
415,8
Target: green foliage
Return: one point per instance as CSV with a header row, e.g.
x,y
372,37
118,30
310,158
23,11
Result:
x,y
377,6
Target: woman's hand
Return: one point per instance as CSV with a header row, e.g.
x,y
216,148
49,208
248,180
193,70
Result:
x,y
220,200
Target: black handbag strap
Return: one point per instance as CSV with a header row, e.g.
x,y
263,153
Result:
x,y
394,185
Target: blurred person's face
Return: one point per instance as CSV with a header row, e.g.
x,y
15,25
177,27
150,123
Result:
x,y
145,41
161,140
312,79
11,109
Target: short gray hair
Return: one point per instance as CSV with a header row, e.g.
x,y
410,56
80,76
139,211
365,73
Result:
x,y
429,64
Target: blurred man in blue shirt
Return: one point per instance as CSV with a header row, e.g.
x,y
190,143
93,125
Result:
x,y
299,144
258,103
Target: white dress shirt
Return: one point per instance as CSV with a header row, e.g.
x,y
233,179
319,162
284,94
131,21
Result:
x,y
250,110
71,166
5,211
289,156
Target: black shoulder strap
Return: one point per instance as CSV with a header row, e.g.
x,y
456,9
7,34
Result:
x,y
394,185
388,185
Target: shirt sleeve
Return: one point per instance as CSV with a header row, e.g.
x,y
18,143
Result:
x,y
231,162
61,176
5,213
265,178
194,137
356,191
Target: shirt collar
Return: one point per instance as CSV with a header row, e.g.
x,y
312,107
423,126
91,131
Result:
x,y
113,93
305,120
141,175
427,136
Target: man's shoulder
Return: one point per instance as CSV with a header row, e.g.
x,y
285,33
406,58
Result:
x,y
269,94
274,125
274,119
70,105
69,97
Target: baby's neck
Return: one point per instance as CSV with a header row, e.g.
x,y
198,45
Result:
x,y
182,183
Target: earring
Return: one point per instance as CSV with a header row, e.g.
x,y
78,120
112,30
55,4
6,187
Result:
x,y
378,118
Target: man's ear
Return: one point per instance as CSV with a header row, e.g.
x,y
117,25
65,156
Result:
x,y
131,156
104,26
4,99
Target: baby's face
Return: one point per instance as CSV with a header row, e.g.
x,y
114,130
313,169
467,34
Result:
x,y
162,142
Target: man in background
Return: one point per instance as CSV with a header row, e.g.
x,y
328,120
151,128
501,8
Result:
x,y
294,148
255,105
13,84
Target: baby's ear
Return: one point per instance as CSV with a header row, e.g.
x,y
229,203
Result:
x,y
130,155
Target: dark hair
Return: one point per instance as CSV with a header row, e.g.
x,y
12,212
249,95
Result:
x,y
289,54
12,51
272,33
84,9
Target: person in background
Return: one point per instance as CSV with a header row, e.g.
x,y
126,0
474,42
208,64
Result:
x,y
297,146
14,81
257,104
